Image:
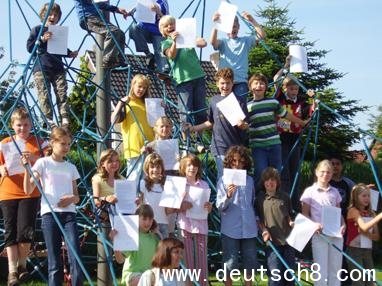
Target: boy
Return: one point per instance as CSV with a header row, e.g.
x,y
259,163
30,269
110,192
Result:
x,y
49,69
234,51
274,209
224,135
264,139
302,107
91,21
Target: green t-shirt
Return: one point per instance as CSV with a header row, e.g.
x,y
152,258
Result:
x,y
186,65
139,261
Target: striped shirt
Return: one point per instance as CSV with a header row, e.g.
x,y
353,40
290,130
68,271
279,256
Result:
x,y
262,122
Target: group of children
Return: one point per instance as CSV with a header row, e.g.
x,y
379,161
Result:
x,y
264,119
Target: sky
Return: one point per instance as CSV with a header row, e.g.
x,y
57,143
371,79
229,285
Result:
x,y
349,29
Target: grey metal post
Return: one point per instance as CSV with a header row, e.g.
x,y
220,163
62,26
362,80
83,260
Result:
x,y
103,108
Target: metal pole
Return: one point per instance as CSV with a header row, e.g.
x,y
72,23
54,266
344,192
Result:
x,y
103,107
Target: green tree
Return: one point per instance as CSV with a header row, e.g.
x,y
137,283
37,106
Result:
x,y
336,131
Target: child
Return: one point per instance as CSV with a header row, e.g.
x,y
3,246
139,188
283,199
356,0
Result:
x,y
103,194
136,262
361,221
19,209
134,127
151,189
224,135
274,208
162,131
48,69
312,200
193,231
143,33
90,20
237,214
57,178
302,107
234,51
167,259
186,71
264,139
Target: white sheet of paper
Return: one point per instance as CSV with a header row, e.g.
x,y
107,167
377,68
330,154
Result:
x,y
331,221
365,241
125,191
58,44
143,11
231,109
173,192
234,176
299,60
169,151
154,109
301,233
374,198
12,156
55,190
127,237
227,13
187,33
198,197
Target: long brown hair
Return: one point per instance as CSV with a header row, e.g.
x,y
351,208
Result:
x,y
195,161
162,256
107,155
153,159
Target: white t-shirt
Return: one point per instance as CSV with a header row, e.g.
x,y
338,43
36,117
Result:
x,y
56,179
152,198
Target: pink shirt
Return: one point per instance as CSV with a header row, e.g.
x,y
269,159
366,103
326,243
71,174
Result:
x,y
316,197
190,224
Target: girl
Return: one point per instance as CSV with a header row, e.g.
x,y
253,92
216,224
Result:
x,y
166,259
312,200
134,127
238,219
186,71
19,209
162,130
361,221
103,194
136,262
193,231
151,188
57,178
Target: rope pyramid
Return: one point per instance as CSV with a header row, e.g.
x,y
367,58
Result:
x,y
18,90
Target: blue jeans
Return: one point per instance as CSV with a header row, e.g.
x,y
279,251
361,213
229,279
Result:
x,y
53,239
247,248
264,157
273,262
240,89
219,160
141,38
192,98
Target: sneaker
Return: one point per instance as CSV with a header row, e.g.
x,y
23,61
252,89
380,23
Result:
x,y
150,61
65,121
23,274
13,279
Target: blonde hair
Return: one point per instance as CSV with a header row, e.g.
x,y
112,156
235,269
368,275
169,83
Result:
x,y
140,79
164,120
107,155
355,192
164,21
19,114
153,159
58,133
55,8
323,164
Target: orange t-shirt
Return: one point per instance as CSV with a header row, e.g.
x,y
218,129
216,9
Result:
x,y
11,187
